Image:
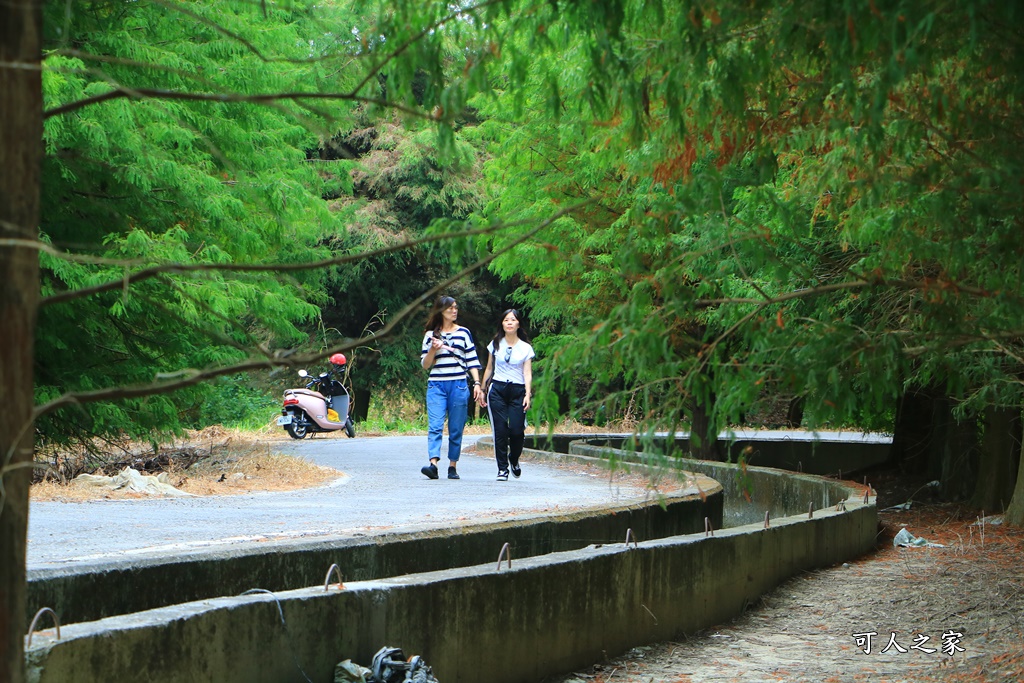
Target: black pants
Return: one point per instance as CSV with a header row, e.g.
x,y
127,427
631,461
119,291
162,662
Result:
x,y
508,420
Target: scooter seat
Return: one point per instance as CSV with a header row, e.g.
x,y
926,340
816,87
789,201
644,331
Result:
x,y
306,392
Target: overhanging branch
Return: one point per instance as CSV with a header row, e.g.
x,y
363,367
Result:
x,y
921,285
169,268
191,377
158,94
427,30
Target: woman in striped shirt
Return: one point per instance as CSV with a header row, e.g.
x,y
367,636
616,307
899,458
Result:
x,y
449,353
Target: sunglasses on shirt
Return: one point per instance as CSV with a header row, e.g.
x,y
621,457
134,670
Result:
x,y
508,354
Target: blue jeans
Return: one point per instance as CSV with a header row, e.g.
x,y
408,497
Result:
x,y
449,398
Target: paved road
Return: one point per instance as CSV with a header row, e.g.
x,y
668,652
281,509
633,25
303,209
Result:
x,y
381,489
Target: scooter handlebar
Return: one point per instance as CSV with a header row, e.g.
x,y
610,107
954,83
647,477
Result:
x,y
323,379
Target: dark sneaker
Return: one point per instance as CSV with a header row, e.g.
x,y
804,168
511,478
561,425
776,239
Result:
x,y
516,471
430,471
502,475
452,474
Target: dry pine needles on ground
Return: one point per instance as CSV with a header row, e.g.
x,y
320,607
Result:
x,y
814,627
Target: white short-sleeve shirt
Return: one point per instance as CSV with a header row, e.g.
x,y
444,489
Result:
x,y
510,370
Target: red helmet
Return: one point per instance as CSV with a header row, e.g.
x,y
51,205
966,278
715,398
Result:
x,y
338,359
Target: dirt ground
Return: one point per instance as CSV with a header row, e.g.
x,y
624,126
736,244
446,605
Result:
x,y
213,462
955,613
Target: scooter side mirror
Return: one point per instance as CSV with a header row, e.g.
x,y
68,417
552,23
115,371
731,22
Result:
x,y
303,373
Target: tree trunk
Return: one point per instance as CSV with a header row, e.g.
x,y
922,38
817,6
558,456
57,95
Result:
x,y
911,440
360,404
1015,511
703,434
953,452
564,403
21,147
795,413
927,441
998,464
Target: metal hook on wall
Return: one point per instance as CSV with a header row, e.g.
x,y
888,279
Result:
x,y
506,551
327,581
35,619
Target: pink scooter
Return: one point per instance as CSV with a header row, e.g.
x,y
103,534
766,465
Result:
x,y
321,407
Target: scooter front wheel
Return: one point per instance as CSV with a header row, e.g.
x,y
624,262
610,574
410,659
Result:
x,y
298,427
350,429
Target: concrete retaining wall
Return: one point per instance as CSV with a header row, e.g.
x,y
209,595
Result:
x,y
87,593
547,614
750,491
825,453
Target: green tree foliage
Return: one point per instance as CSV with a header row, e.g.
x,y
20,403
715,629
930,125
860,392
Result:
x,y
402,184
776,199
128,184
176,176
786,198
173,163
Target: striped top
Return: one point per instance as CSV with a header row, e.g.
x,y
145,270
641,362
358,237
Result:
x,y
453,362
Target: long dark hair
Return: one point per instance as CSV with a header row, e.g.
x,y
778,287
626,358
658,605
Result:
x,y
434,320
520,332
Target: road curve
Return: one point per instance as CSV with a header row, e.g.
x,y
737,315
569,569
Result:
x,y
381,489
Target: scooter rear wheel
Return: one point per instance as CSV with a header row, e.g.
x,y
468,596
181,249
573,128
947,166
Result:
x,y
350,429
298,428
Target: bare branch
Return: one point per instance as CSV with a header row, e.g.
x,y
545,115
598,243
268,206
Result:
x,y
43,247
190,377
837,286
154,93
732,247
179,268
422,34
788,296
966,339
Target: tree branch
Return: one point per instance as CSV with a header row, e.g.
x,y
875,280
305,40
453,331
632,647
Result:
x,y
166,383
422,34
837,286
157,94
788,296
179,268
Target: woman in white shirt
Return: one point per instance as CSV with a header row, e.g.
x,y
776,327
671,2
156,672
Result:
x,y
508,378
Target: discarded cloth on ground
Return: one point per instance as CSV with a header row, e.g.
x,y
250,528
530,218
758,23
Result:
x,y
131,480
907,539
